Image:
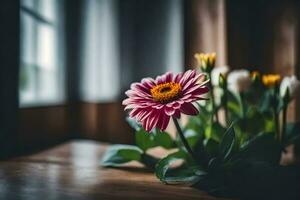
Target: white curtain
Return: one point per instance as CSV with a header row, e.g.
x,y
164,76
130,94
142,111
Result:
x,y
100,63
126,40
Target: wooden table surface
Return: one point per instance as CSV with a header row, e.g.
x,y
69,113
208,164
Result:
x,y
72,171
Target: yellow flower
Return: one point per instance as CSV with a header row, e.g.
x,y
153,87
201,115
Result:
x,y
255,75
206,60
271,80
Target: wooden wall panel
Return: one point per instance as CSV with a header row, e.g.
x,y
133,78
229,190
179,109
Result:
x,y
105,122
42,126
205,30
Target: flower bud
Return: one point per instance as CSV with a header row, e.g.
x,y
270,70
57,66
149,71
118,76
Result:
x,y
206,61
255,76
289,86
222,81
239,80
216,72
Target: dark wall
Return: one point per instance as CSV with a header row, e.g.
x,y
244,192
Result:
x,y
9,63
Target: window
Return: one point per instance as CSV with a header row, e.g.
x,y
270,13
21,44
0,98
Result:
x,y
41,70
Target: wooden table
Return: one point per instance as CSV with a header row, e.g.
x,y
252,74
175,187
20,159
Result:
x,y
72,171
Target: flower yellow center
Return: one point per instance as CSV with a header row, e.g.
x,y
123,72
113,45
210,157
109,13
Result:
x,y
166,92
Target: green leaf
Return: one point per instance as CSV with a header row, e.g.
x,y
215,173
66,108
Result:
x,y
183,174
163,139
203,118
214,131
264,147
195,123
117,155
265,104
269,124
233,104
254,116
144,140
191,136
164,164
149,161
292,132
281,104
234,108
211,147
227,143
133,124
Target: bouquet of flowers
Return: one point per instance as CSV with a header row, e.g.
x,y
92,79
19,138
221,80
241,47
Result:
x,y
233,141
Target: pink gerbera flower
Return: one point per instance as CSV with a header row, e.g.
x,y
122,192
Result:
x,y
153,102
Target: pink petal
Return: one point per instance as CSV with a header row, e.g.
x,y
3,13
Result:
x,y
196,89
159,80
139,87
192,82
169,110
189,109
144,124
169,77
130,106
158,106
187,76
186,97
135,111
142,115
149,123
165,122
178,77
177,114
137,93
148,82
145,115
153,119
160,121
174,104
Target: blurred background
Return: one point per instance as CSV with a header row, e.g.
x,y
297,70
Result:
x,y
65,64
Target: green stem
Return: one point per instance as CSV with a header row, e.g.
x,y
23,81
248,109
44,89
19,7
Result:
x,y
243,108
225,105
242,105
213,102
284,117
276,121
275,113
183,140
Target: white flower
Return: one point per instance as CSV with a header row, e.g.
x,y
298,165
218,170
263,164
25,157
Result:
x,y
218,93
215,73
239,80
291,83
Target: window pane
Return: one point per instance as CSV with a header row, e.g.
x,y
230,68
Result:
x,y
44,8
46,56
27,71
27,83
41,71
27,38
47,9
47,88
31,4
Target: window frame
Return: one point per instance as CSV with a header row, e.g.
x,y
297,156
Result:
x,y
58,27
